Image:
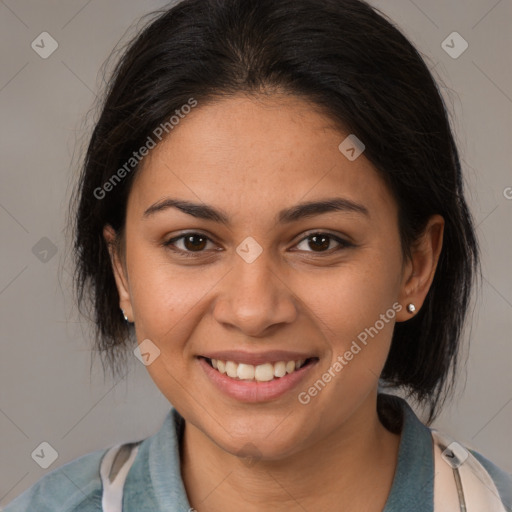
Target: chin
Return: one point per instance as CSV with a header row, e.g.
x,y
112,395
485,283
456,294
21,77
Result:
x,y
274,439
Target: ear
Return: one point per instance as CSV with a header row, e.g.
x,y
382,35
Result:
x,y
420,269
119,270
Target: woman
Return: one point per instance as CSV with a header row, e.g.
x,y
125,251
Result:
x,y
273,198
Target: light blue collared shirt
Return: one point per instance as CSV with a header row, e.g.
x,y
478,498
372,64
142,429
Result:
x,y
154,482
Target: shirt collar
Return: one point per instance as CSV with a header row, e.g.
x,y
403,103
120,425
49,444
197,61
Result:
x,y
413,484
154,483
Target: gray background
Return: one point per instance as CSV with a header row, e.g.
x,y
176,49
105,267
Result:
x,y
47,392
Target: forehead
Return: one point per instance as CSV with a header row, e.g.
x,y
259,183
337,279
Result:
x,y
246,152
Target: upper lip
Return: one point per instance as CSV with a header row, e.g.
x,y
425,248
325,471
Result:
x,y
271,356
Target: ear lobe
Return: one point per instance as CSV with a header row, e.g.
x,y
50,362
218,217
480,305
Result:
x,y
421,268
119,271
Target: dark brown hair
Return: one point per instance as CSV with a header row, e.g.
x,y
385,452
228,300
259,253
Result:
x,y
350,61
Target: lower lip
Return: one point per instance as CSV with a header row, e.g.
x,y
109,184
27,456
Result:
x,y
252,391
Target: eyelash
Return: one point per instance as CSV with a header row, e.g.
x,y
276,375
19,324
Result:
x,y
192,254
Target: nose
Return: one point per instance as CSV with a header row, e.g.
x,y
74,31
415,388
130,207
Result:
x,y
255,299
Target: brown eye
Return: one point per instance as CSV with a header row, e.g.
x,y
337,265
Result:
x,y
321,242
188,244
194,242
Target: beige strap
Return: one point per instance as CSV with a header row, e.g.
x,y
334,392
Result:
x,y
461,483
446,497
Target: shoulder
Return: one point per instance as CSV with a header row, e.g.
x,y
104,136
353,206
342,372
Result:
x,y
482,479
444,461
80,485
68,488
502,480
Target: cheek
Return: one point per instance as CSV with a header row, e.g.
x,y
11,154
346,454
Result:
x,y
352,297
354,307
163,295
353,310
168,305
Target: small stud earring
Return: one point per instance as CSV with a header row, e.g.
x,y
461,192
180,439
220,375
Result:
x,y
411,308
124,314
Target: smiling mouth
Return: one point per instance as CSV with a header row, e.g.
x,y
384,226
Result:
x,y
265,372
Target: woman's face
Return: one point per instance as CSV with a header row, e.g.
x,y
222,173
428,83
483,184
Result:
x,y
259,287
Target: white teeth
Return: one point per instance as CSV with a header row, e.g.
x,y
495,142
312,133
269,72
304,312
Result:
x,y
261,373
245,371
221,366
280,369
264,372
231,369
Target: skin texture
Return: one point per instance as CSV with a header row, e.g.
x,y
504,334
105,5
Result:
x,y
252,157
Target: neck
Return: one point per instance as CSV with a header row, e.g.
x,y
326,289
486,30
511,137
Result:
x,y
353,466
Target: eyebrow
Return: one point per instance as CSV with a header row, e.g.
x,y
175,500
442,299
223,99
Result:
x,y
286,216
